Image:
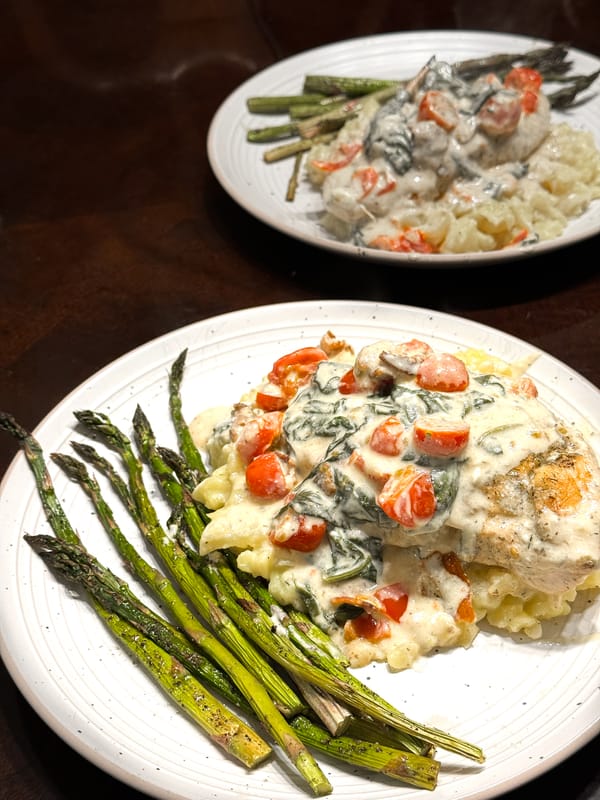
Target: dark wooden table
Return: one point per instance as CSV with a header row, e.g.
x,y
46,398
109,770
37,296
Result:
x,y
113,231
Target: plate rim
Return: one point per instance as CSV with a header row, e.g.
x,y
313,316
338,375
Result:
x,y
412,260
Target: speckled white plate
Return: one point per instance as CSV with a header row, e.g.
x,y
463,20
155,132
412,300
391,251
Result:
x,y
528,704
260,188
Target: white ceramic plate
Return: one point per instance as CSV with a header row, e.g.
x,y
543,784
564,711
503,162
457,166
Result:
x,y
260,188
528,704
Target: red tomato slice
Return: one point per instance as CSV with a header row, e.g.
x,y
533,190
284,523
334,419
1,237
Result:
x,y
387,437
412,240
439,436
524,387
529,101
408,355
271,398
305,356
437,107
258,434
348,383
523,79
266,476
293,370
366,627
500,115
298,531
442,372
368,177
394,600
349,151
408,497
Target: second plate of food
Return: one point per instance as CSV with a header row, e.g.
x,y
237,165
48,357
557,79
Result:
x,y
260,187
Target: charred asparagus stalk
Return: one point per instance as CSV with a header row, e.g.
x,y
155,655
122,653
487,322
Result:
x,y
341,90
350,87
391,762
308,128
419,771
229,732
188,449
200,595
167,594
565,97
75,564
281,104
306,635
294,148
239,740
331,677
194,587
335,716
293,181
164,666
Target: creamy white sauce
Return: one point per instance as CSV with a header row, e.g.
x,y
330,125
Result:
x,y
447,165
325,431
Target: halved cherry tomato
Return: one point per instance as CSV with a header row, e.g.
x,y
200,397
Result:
x,y
500,114
390,600
349,151
408,497
394,600
439,436
293,370
437,107
523,79
412,240
527,82
305,356
258,434
524,387
387,437
442,372
271,398
348,383
267,477
406,356
299,532
529,101
365,626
